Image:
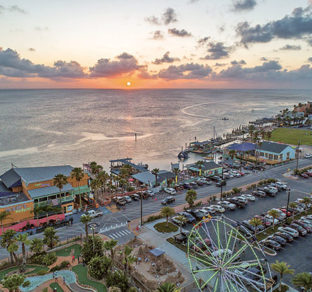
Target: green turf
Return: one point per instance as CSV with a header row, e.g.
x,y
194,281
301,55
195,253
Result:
x,y
67,250
82,274
292,136
57,286
164,228
34,270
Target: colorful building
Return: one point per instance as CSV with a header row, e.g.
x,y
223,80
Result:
x,y
275,151
207,168
24,189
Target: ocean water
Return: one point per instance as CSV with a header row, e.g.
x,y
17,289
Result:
x,y
50,127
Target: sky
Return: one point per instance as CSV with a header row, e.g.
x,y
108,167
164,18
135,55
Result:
x,y
132,44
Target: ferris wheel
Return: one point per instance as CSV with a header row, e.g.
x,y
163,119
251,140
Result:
x,y
221,259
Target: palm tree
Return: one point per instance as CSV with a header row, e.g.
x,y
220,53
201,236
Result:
x,y
23,239
293,205
60,181
176,172
262,133
95,168
155,172
128,258
303,280
50,237
103,177
269,135
251,130
7,239
255,222
110,245
274,215
167,287
95,186
78,174
85,219
182,221
12,249
167,212
306,201
283,269
13,282
190,197
36,246
3,215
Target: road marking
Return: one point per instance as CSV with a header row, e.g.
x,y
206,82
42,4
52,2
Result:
x,y
112,235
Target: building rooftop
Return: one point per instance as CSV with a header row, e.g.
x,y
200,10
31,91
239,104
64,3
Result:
x,y
41,192
207,165
34,174
272,147
7,197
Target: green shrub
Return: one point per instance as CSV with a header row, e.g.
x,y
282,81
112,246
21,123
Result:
x,y
236,190
153,218
41,272
64,264
198,204
26,284
49,259
163,228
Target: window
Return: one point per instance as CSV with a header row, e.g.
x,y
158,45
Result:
x,y
281,157
275,157
43,199
52,197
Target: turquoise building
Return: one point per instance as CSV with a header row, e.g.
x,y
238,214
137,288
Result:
x,y
275,151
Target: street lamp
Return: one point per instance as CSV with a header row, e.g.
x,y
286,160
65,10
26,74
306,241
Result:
x,y
141,195
92,228
288,196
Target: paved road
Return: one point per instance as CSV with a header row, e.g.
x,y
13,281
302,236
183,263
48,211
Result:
x,y
150,206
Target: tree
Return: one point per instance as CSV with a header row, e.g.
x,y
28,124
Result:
x,y
36,246
306,201
78,174
118,279
269,135
293,205
95,186
60,181
251,130
98,267
128,259
167,212
155,172
190,197
182,221
7,239
303,280
167,287
50,238
23,239
85,219
283,269
12,282
110,245
12,249
274,214
92,247
114,289
3,216
102,178
256,222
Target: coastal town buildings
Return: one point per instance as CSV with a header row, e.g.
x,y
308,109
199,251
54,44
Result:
x,y
275,151
23,190
206,168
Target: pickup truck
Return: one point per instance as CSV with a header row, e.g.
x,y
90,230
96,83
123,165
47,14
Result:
x,y
93,213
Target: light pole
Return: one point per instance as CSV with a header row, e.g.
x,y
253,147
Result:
x,y
141,195
92,228
288,196
221,195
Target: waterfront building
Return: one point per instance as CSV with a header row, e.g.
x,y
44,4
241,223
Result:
x,y
275,151
207,168
164,177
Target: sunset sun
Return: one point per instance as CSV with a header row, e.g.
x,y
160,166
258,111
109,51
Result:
x,y
128,83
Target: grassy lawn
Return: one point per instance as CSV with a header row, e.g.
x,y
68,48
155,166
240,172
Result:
x,y
34,269
67,250
162,227
57,286
291,136
82,274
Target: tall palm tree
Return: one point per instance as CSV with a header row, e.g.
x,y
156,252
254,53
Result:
x,y
182,221
85,219
78,174
283,269
167,212
256,222
306,201
190,197
251,130
7,239
303,280
128,258
155,172
95,186
274,214
12,249
103,177
167,287
60,181
3,215
110,245
293,205
23,239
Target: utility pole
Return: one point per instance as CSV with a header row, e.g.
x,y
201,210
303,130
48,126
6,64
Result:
x,y
221,196
141,195
288,196
297,155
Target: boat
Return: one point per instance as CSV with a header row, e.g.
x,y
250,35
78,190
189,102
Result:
x,y
225,119
183,155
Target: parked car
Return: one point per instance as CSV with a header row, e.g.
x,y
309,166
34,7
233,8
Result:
x,y
304,175
176,220
196,213
170,191
190,218
135,197
282,185
221,183
181,238
299,228
187,186
307,227
282,215
248,197
252,228
259,194
271,219
285,235
272,244
287,213
93,213
218,208
193,185
264,220
199,182
128,199
168,200
242,199
237,202
205,212
227,205
209,210
291,231
282,241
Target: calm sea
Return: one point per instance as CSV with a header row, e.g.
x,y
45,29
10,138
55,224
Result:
x,y
50,127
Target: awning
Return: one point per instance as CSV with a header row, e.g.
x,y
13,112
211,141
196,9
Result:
x,y
156,252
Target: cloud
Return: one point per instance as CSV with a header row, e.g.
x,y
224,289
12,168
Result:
x,y
295,26
241,62
220,64
158,35
2,9
310,59
153,20
39,28
12,65
194,1
179,33
165,59
217,51
107,68
203,41
263,59
31,50
291,48
185,71
169,16
243,5
15,8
